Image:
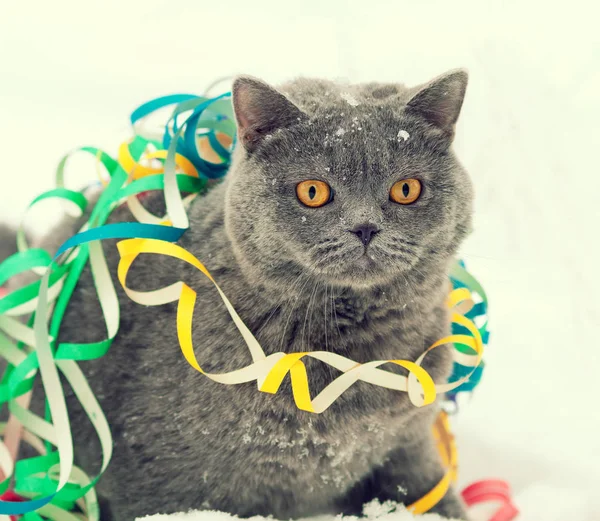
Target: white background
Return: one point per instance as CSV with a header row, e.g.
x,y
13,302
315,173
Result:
x,y
72,71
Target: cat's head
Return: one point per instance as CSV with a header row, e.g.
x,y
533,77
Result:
x,y
355,185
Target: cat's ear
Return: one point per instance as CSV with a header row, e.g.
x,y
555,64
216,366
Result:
x,y
439,101
260,110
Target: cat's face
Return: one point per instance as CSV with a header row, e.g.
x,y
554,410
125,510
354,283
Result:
x,y
353,194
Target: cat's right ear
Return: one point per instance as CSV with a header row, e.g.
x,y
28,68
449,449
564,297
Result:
x,y
261,110
439,102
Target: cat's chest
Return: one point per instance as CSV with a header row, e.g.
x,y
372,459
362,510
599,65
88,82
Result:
x,y
330,452
327,322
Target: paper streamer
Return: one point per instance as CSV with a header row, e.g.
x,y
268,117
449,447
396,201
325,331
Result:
x,y
449,456
191,151
36,349
492,490
270,371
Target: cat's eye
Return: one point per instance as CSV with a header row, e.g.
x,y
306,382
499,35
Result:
x,y
314,193
406,191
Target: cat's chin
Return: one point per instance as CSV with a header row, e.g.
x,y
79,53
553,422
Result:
x,y
363,272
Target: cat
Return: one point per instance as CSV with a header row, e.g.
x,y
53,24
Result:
x,y
343,263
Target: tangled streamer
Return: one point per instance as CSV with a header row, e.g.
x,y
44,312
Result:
x,y
185,156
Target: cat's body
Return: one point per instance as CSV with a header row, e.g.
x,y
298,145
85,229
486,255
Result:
x,y
184,442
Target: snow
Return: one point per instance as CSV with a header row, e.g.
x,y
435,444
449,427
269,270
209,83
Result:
x,y
388,511
403,135
537,503
533,67
350,99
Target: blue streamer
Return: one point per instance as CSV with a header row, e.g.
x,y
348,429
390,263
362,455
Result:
x,y
123,231
164,101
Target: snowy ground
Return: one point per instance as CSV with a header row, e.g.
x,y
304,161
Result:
x,y
528,133
372,511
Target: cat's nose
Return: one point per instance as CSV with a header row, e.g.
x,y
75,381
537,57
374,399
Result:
x,y
365,232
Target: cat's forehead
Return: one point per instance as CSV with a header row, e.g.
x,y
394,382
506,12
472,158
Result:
x,y
313,95
365,123
368,138
351,133
357,118
348,158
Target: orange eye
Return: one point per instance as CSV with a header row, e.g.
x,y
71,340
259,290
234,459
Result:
x,y
406,191
313,193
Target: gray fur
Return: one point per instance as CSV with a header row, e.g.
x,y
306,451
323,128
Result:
x,y
301,282
8,242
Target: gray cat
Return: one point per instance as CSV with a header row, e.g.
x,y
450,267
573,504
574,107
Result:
x,y
350,262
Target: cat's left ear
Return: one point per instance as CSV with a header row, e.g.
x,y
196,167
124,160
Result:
x,y
439,102
260,110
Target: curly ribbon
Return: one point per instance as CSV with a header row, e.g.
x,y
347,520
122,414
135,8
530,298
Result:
x,y
449,458
463,279
494,490
36,349
36,477
270,371
194,149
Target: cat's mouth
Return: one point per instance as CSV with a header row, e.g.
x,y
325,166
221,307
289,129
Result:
x,y
362,266
373,266
366,260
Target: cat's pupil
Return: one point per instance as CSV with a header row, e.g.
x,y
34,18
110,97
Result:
x,y
405,189
312,192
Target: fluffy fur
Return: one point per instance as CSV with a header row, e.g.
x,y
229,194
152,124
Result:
x,y
301,281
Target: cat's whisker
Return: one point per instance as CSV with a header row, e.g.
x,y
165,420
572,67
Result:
x,y
333,312
325,261
336,257
324,255
310,316
308,309
326,248
280,302
404,241
325,314
418,309
390,254
337,324
403,249
328,315
292,309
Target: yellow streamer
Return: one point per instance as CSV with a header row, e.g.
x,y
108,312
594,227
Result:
x,y
449,457
138,171
269,372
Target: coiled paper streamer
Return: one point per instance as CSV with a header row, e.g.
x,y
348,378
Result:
x,y
195,149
